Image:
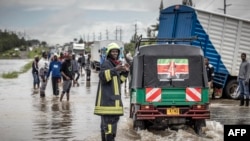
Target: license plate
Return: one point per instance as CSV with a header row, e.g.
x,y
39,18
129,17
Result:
x,y
173,111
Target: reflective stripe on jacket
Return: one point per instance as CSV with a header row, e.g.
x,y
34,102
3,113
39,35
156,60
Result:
x,y
108,99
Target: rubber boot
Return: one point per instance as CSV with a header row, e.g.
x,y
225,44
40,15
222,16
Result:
x,y
110,137
57,91
247,102
242,100
103,136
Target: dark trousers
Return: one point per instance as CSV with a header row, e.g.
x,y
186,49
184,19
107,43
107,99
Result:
x,y
36,79
109,127
55,87
43,85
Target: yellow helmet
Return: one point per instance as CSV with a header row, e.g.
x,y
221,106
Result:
x,y
56,55
112,46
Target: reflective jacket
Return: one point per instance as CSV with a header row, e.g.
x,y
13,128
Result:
x,y
108,99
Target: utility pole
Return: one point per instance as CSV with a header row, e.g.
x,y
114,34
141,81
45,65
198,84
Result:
x,y
100,37
116,31
120,33
107,34
225,7
84,37
135,31
93,36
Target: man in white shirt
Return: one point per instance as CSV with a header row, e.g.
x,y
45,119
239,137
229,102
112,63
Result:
x,y
43,66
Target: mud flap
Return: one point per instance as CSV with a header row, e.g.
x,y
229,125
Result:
x,y
198,126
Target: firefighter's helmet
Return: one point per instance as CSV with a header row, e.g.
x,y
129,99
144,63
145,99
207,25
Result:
x,y
112,46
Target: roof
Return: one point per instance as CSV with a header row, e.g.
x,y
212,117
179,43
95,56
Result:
x,y
170,50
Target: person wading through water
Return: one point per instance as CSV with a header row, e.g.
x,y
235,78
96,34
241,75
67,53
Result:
x,y
43,66
67,74
54,68
81,61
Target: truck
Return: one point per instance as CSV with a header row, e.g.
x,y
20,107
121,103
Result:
x,y
78,48
169,86
222,38
98,52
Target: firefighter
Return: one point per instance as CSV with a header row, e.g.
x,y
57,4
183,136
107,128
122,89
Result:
x,y
108,103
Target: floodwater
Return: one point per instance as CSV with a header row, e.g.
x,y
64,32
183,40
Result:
x,y
8,65
25,116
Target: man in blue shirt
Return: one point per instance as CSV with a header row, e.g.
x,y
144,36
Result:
x,y
55,67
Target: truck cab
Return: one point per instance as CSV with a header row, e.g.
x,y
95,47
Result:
x,y
169,87
98,52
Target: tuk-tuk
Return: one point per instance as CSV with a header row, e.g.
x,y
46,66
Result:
x,y
169,87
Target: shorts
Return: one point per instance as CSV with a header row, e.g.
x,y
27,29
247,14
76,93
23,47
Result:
x,y
67,85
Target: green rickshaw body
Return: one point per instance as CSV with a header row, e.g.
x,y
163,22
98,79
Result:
x,y
169,86
169,96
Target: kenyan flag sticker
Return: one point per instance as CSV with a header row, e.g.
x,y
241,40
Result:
x,y
172,69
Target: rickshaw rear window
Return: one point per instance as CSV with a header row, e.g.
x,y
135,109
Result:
x,y
174,69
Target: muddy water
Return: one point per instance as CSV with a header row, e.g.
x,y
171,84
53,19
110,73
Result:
x,y
7,65
26,116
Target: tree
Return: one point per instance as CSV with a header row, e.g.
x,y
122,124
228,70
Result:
x,y
130,47
75,40
10,40
44,43
187,2
80,41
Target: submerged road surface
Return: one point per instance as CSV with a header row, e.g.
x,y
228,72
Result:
x,y
25,116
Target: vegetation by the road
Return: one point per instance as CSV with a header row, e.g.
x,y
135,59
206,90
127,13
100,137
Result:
x,y
11,39
26,67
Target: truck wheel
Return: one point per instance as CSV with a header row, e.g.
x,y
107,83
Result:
x,y
236,94
231,89
139,124
198,124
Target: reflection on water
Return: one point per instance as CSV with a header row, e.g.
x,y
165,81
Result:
x,y
26,116
238,115
8,65
53,120
213,132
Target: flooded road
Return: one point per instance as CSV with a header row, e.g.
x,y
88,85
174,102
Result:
x,y
27,117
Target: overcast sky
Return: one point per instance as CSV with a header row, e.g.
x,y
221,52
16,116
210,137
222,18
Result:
x,y
60,21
